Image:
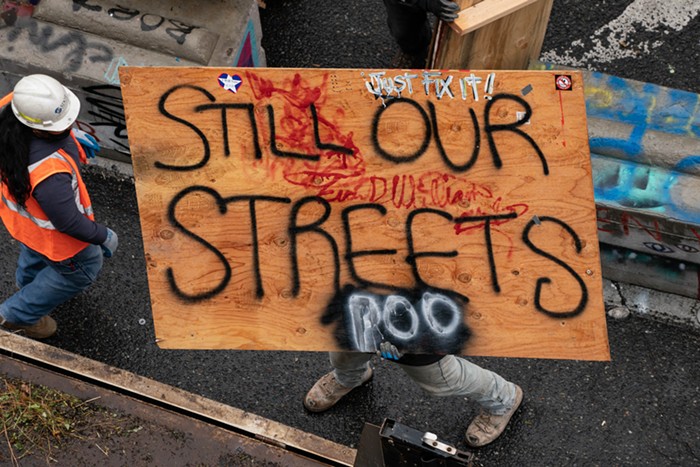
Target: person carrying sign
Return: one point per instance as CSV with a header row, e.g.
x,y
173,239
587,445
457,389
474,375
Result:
x,y
438,375
409,26
45,204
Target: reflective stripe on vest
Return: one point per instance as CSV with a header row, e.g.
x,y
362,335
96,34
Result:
x,y
31,226
16,208
84,210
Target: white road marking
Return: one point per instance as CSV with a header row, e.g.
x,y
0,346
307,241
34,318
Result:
x,y
617,39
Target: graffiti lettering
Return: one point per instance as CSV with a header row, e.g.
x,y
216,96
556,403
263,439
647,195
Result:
x,y
149,22
626,221
108,110
78,46
179,31
222,205
489,129
545,280
383,87
371,322
123,14
79,4
432,80
644,232
429,122
150,26
296,230
421,319
297,196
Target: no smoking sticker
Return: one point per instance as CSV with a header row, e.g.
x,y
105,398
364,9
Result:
x,y
563,82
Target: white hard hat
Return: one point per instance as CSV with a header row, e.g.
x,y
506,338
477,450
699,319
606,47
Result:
x,y
41,102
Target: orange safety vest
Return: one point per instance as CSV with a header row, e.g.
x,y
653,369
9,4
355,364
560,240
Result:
x,y
30,225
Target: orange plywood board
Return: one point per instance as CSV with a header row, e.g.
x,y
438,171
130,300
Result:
x,y
294,209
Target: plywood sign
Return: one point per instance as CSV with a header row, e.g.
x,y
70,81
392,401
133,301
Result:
x,y
442,211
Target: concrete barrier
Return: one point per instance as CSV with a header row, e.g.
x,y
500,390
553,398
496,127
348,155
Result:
x,y
133,26
83,44
645,150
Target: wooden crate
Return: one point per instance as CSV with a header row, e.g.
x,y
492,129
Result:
x,y
317,209
492,34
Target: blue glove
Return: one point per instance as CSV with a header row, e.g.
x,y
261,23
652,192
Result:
x,y
88,142
389,351
110,245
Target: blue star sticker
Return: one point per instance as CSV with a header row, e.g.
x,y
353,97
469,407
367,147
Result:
x,y
230,82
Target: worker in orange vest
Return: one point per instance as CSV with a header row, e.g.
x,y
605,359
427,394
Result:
x,y
410,27
45,204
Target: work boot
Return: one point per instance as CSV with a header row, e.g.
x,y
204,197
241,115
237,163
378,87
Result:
x,y
45,327
328,391
487,427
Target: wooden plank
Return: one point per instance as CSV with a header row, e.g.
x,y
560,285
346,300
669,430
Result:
x,y
138,389
315,210
508,43
479,15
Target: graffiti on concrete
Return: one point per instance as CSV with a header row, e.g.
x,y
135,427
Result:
x,y
75,46
112,73
248,55
645,233
656,271
647,108
148,21
106,109
638,186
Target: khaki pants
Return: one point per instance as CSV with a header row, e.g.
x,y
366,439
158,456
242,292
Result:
x,y
450,376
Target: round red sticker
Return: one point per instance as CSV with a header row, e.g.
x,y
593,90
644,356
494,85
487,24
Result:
x,y
563,82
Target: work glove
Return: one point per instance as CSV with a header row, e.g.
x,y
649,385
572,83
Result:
x,y
110,245
389,351
88,142
443,9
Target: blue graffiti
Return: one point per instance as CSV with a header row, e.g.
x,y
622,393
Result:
x,y
640,186
642,105
645,106
687,163
631,147
657,108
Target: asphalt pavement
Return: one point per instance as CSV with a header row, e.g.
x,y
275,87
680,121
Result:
x,y
641,408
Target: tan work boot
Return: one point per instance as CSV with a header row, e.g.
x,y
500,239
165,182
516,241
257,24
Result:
x,y
45,327
328,391
487,427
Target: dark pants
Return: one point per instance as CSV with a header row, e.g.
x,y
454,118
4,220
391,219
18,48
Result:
x,y
410,27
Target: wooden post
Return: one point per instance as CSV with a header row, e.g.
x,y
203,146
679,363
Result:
x,y
500,42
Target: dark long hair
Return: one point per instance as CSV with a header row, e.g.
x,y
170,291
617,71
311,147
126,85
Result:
x,y
14,155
